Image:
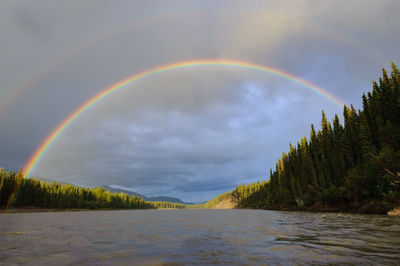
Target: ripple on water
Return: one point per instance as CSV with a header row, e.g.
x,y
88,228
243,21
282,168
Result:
x,y
203,236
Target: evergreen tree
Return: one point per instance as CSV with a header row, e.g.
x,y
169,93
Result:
x,y
355,163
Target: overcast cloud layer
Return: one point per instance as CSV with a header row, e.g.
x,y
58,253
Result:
x,y
190,133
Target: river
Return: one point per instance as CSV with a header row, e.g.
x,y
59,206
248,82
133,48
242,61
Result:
x,y
174,237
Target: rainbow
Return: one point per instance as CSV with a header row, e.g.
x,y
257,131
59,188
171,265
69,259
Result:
x,y
38,154
12,94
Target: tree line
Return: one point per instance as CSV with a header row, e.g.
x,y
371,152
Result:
x,y
16,191
353,165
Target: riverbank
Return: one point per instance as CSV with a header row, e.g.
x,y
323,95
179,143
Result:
x,y
395,211
227,204
373,207
354,208
35,209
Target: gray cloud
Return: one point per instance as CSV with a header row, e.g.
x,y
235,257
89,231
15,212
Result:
x,y
191,133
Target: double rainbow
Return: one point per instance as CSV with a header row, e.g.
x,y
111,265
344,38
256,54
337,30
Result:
x,y
38,154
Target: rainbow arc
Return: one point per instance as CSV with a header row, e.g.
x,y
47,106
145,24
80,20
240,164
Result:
x,y
40,151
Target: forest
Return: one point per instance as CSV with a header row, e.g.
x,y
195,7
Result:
x,y
350,166
16,191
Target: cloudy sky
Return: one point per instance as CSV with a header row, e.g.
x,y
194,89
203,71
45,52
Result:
x,y
190,133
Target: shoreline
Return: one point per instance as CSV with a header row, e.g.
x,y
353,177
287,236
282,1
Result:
x,y
373,209
36,209
394,212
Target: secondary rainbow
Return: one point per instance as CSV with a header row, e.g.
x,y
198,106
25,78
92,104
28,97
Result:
x,y
38,154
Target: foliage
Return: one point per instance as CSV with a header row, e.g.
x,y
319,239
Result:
x,y
17,191
355,163
169,205
250,195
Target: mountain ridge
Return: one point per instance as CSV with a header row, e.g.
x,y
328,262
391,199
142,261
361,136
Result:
x,y
156,198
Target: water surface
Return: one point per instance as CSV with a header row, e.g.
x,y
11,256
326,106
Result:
x,y
198,236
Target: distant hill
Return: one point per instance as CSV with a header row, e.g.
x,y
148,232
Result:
x,y
158,198
130,193
167,199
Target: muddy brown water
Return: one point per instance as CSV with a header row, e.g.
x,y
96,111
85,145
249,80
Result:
x,y
174,237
